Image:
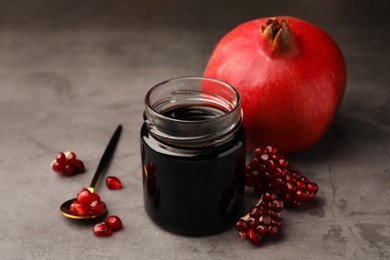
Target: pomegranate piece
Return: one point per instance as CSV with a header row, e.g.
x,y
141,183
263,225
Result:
x,y
102,229
269,170
262,220
67,164
115,223
113,183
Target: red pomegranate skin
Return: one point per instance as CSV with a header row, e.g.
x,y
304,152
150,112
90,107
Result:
x,y
289,97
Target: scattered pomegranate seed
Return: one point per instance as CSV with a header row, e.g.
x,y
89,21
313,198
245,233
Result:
x,y
115,223
67,164
70,157
105,228
79,166
61,158
58,167
68,170
113,183
102,229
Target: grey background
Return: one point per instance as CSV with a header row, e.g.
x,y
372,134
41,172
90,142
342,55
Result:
x,y
70,71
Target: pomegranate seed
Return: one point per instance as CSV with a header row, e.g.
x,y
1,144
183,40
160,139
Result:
x,y
254,212
79,166
85,196
97,207
258,152
253,237
277,205
115,223
68,170
61,158
277,222
102,229
310,195
241,225
113,183
264,158
311,186
272,230
265,220
301,185
300,195
252,223
263,231
57,166
288,188
269,196
70,158
255,162
79,209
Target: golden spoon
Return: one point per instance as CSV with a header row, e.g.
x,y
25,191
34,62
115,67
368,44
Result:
x,y
104,162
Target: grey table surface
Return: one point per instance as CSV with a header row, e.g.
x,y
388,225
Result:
x,y
70,71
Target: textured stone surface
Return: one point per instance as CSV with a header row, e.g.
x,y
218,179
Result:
x,y
70,71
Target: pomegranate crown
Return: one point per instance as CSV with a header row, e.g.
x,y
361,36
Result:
x,y
279,36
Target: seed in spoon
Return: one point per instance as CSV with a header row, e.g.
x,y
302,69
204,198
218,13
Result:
x,y
87,203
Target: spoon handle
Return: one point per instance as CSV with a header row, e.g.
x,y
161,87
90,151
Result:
x,y
106,158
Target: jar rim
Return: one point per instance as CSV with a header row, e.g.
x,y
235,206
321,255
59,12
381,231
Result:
x,y
237,104
179,93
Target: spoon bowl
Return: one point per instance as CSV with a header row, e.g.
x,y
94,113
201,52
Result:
x,y
65,210
104,162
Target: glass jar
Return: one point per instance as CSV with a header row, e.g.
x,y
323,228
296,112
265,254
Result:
x,y
192,149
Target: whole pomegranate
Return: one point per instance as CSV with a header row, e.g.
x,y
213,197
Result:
x,y
291,76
